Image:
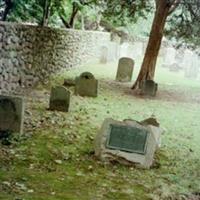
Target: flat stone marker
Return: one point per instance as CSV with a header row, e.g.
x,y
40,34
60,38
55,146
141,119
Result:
x,y
128,142
149,88
59,99
125,69
86,85
11,114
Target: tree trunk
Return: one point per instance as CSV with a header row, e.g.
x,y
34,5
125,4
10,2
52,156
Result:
x,y
82,21
70,24
46,12
147,70
73,15
9,5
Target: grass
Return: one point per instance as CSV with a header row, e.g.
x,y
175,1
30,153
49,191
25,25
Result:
x,y
55,161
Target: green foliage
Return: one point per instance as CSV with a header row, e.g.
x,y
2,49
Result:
x,y
122,13
119,13
26,11
184,24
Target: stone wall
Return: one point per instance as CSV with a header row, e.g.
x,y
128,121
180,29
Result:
x,y
29,54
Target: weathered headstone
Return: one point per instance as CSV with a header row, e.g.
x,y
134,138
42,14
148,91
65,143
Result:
x,y
128,142
174,68
59,99
125,69
169,56
149,88
69,83
104,55
86,85
11,114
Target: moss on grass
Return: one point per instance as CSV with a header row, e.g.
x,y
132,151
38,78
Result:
x,y
56,161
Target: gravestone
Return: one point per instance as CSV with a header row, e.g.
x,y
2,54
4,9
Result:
x,y
59,99
11,114
149,88
69,83
104,55
125,69
86,85
128,142
169,56
174,68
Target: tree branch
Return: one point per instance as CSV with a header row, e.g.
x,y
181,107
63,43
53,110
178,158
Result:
x,y
73,15
174,5
64,21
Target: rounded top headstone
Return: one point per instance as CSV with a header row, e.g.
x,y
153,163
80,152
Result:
x,y
127,59
87,75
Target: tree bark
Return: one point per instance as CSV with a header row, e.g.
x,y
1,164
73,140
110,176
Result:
x,y
9,5
82,21
73,15
147,70
70,24
46,12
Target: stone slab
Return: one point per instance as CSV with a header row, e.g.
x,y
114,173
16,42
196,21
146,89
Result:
x,y
149,88
106,154
11,114
59,99
86,85
125,69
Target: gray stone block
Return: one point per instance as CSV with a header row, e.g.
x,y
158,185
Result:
x,y
11,114
149,88
139,143
59,99
86,85
104,55
125,69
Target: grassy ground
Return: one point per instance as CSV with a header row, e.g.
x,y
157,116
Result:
x,y
55,160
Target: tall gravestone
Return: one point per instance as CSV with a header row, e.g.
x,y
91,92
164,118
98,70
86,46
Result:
x,y
149,88
104,55
59,99
86,85
11,114
128,142
125,69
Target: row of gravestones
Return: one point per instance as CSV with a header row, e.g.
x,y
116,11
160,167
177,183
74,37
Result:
x,y
131,141
128,142
85,85
125,72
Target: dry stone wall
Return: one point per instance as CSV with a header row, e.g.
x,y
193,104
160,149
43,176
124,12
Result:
x,y
29,54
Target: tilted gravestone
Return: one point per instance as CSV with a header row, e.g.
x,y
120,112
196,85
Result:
x,y
149,88
11,114
59,99
128,142
125,69
86,85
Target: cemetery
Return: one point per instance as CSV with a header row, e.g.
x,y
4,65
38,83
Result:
x,y
91,111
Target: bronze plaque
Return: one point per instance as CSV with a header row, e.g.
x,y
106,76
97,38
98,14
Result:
x,y
127,138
